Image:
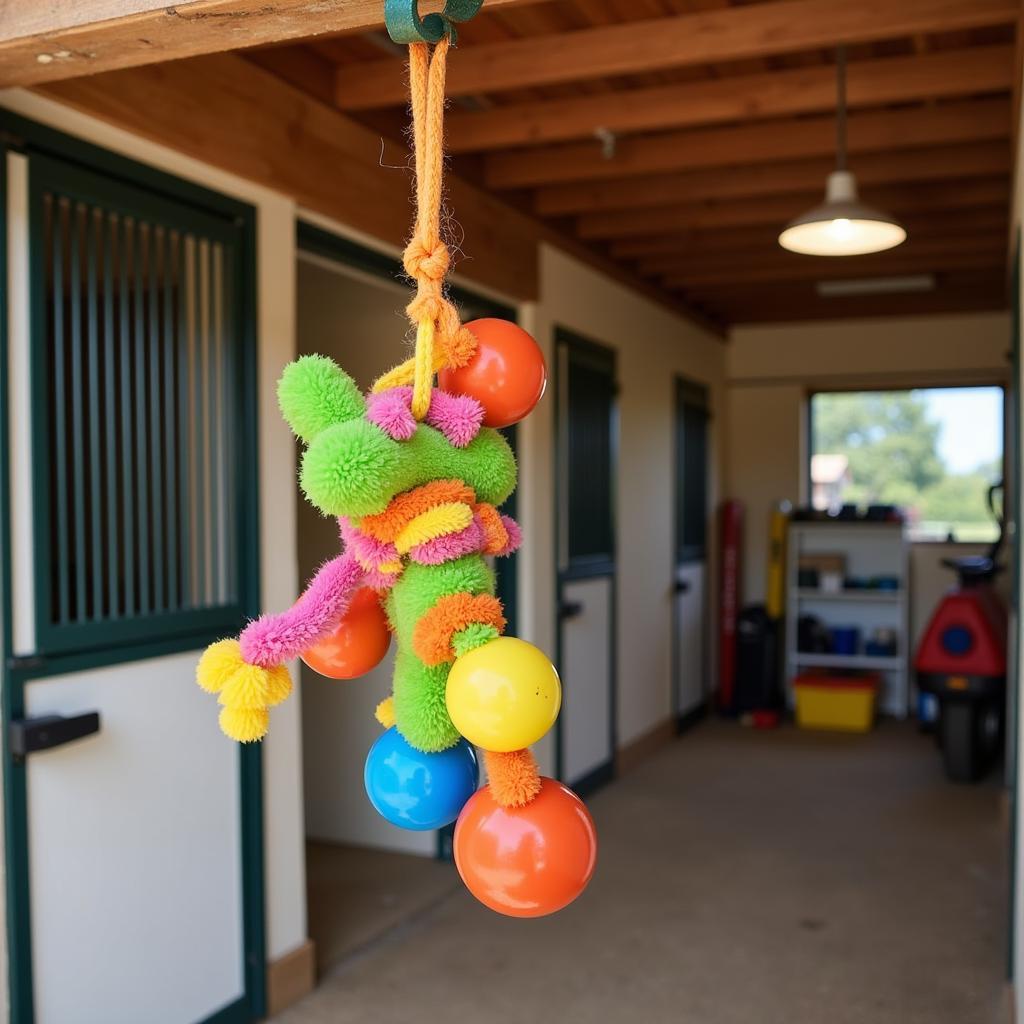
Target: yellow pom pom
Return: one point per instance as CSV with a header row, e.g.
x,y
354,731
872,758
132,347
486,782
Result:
x,y
245,725
247,688
385,713
279,685
218,663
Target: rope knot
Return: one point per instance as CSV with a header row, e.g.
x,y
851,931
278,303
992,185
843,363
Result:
x,y
426,263
425,306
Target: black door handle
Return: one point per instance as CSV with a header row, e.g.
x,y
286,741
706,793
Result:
x,y
570,609
31,734
682,587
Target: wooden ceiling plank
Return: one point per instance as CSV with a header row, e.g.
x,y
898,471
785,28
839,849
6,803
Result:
x,y
932,164
869,131
846,269
951,73
705,37
953,225
780,209
47,42
773,257
805,304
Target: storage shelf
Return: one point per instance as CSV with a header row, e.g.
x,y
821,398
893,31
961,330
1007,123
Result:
x,y
884,662
877,596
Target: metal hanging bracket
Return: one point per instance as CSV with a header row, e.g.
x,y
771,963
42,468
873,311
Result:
x,y
404,24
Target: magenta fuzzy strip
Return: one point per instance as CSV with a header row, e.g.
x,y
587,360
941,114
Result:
x,y
275,639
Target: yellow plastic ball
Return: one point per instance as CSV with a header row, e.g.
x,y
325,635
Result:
x,y
503,696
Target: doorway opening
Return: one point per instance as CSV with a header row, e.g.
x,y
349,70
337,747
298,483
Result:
x,y
364,876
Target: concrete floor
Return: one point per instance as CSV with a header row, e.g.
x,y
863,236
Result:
x,y
743,878
357,895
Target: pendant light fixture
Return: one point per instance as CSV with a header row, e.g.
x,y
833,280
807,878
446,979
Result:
x,y
842,225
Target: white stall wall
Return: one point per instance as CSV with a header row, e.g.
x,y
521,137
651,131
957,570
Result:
x,y
652,344
282,778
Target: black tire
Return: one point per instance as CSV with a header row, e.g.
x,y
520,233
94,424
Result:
x,y
963,745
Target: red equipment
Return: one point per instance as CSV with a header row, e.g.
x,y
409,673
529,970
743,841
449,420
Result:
x,y
966,636
962,661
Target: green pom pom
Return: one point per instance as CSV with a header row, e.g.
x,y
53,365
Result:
x,y
421,712
314,393
475,635
353,469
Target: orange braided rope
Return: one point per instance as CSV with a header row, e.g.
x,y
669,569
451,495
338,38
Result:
x,y
441,340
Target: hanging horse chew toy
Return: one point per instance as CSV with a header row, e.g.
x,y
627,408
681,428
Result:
x,y
415,476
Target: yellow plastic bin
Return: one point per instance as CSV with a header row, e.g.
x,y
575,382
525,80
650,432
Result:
x,y
845,703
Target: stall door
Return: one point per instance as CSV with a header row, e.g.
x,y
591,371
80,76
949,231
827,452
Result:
x,y
128,532
586,561
691,491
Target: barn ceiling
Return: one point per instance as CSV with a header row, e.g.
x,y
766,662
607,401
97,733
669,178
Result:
x,y
677,137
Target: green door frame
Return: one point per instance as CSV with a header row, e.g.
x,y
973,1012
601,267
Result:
x,y
692,393
569,342
337,249
20,135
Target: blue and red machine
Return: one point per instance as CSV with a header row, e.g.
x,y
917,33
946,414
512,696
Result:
x,y
961,660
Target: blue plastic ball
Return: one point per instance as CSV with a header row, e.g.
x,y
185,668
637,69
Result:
x,y
419,791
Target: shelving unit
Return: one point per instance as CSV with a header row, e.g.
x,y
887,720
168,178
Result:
x,y
870,549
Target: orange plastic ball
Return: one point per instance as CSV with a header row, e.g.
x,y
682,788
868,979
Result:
x,y
357,645
507,376
526,861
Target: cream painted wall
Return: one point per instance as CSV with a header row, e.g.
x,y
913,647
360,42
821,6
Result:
x,y
282,778
652,345
771,369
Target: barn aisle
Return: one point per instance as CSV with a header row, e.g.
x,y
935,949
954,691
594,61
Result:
x,y
783,878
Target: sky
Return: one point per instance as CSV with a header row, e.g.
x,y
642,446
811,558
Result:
x,y
972,425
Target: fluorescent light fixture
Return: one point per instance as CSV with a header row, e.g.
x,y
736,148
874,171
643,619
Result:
x,y
842,225
877,286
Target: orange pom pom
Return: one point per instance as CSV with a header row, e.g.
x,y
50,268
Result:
x,y
513,777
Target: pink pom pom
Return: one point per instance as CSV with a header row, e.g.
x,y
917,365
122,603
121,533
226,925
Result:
x,y
458,417
515,536
390,411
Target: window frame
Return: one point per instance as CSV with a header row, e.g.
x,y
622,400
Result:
x,y
808,453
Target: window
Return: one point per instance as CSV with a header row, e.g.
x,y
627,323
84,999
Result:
x,y
934,452
141,414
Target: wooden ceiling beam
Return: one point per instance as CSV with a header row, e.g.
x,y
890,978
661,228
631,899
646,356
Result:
x,y
940,75
954,225
49,41
869,131
773,257
823,270
705,37
932,164
982,288
778,210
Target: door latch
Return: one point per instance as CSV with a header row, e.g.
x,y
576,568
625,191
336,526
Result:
x,y
30,734
570,609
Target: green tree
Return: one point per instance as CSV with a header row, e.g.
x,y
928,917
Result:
x,y
889,440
